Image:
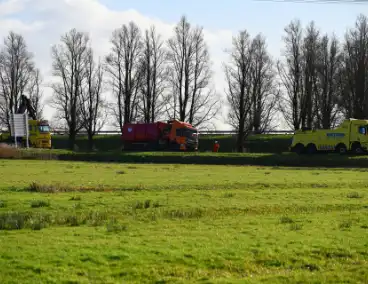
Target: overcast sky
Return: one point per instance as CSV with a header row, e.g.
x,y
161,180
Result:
x,y
42,22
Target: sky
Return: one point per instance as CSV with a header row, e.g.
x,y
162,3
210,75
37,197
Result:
x,y
42,22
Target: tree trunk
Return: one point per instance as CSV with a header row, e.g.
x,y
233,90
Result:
x,y
240,140
72,136
90,142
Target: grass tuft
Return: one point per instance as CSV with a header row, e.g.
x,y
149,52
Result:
x,y
145,204
286,220
354,195
311,267
113,226
40,220
228,195
75,198
40,203
13,220
193,213
55,188
73,220
345,225
295,227
3,204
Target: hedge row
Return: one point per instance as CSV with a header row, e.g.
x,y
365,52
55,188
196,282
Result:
x,y
254,144
287,159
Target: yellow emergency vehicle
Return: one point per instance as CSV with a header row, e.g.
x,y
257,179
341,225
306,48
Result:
x,y
39,135
350,135
39,130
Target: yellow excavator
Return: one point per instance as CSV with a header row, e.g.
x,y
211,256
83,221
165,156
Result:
x,y
39,130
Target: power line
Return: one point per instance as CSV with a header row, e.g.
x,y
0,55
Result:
x,y
353,2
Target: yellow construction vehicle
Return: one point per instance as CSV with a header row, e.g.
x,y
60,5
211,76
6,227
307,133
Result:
x,y
350,136
39,130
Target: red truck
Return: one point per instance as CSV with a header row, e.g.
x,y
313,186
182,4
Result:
x,y
170,135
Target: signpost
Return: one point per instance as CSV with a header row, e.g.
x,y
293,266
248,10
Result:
x,y
19,127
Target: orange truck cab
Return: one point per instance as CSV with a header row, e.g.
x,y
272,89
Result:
x,y
180,135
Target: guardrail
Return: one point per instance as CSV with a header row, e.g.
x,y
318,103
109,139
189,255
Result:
x,y
204,132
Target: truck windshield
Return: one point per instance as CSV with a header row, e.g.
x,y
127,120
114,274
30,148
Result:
x,y
44,128
186,132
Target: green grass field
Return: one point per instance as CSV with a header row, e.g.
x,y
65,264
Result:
x,y
76,222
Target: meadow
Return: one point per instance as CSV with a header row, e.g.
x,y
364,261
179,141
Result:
x,y
79,222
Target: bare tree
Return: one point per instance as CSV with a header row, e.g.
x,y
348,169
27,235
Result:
x,y
125,72
190,75
328,69
16,69
310,99
354,98
69,59
154,77
292,103
264,91
93,105
238,74
35,94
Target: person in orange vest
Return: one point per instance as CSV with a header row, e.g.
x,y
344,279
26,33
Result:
x,y
216,146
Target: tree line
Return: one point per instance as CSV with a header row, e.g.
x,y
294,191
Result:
x,y
318,80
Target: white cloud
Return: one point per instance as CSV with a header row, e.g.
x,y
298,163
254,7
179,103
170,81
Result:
x,y
47,20
11,6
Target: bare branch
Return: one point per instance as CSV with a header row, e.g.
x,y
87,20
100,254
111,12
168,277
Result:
x,y
190,76
238,74
69,59
16,70
93,105
125,72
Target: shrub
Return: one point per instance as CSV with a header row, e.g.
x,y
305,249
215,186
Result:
x,y
8,152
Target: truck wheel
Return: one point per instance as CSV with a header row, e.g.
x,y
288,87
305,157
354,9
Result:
x,y
299,149
341,149
311,149
357,148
